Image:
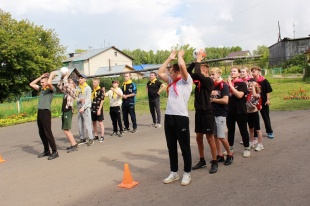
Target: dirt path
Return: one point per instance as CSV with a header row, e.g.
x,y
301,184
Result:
x,y
278,175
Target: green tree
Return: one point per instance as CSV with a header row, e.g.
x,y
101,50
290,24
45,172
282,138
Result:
x,y
264,60
26,51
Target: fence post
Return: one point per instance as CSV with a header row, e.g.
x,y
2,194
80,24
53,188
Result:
x,y
18,107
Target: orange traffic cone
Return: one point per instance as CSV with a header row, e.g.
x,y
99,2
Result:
x,y
1,160
127,178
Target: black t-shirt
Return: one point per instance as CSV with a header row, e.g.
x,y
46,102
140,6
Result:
x,y
153,88
265,88
236,105
204,87
96,101
220,109
64,104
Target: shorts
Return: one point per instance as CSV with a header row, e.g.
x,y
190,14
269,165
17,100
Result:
x,y
95,117
204,122
66,120
220,126
253,121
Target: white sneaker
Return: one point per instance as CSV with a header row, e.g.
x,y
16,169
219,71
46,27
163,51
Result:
x,y
241,142
186,178
252,144
157,125
246,153
259,147
172,177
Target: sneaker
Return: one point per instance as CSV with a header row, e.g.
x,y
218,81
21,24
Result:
x,y
73,148
246,153
241,142
53,156
90,142
44,154
82,141
252,144
126,130
231,150
259,147
134,130
158,125
152,125
101,139
229,160
219,159
214,167
270,135
120,134
114,133
200,164
96,138
186,178
172,177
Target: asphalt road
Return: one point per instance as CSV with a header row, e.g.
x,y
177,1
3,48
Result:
x,y
278,175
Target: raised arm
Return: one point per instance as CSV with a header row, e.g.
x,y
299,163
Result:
x,y
162,69
182,65
34,83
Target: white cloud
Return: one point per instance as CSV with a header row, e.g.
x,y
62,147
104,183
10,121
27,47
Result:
x,y
160,24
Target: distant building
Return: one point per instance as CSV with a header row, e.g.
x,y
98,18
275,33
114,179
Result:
x,y
286,49
90,61
114,71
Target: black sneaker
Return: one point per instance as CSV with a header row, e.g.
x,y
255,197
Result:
x,y
53,156
82,141
114,133
200,164
96,138
101,139
219,159
73,148
229,160
126,130
134,130
90,142
44,154
214,167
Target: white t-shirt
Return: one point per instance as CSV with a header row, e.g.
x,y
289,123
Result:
x,y
115,101
177,104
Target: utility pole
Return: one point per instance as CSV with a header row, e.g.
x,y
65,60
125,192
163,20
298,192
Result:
x,y
279,37
294,29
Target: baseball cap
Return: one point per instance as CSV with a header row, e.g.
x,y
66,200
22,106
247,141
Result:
x,y
83,76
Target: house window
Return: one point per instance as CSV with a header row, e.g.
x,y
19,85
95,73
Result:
x,y
115,53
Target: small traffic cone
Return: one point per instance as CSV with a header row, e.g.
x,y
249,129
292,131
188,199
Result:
x,y
127,178
1,160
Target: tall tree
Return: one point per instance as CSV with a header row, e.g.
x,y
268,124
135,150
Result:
x,y
26,51
264,60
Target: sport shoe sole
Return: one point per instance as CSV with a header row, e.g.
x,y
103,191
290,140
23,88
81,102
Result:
x,y
171,180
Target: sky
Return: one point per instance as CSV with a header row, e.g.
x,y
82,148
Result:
x,y
163,24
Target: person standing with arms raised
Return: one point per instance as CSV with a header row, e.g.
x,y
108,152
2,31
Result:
x,y
154,88
44,115
176,124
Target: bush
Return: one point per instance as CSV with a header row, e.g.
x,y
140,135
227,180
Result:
x,y
294,70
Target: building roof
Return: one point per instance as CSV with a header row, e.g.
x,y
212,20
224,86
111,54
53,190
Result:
x,y
240,53
105,71
146,66
92,53
286,39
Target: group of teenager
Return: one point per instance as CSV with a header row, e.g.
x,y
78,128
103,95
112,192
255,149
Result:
x,y
218,106
90,109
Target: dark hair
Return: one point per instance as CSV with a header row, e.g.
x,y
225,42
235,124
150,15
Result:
x,y
175,68
239,71
153,73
